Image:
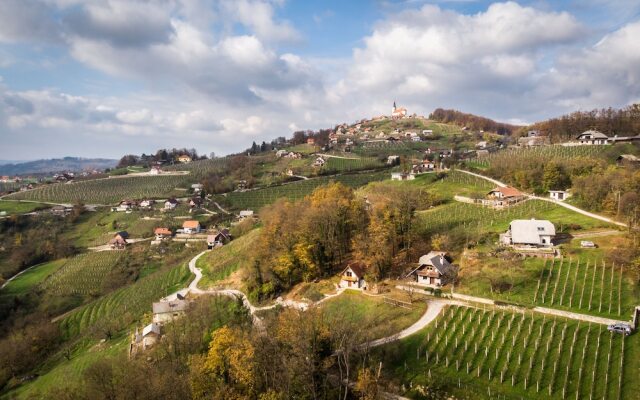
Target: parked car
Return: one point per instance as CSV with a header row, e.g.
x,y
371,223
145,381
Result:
x,y
620,328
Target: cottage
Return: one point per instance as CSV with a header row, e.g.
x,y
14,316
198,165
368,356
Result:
x,y
167,311
171,204
352,277
319,162
434,269
155,170
503,196
402,176
190,227
393,160
184,159
529,233
197,187
162,233
245,214
126,205
593,138
119,241
560,195
196,203
398,112
220,239
147,203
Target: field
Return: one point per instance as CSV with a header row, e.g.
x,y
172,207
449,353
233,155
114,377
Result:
x,y
540,155
256,199
83,274
490,353
129,302
16,207
220,263
200,168
377,318
31,278
337,165
107,191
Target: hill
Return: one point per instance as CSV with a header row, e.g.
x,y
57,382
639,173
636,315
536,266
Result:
x,y
473,122
66,164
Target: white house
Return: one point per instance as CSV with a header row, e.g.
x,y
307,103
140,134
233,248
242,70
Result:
x,y
162,233
353,277
530,233
170,204
146,203
244,214
155,170
319,162
197,187
402,176
166,311
434,269
393,160
191,227
427,132
560,195
593,138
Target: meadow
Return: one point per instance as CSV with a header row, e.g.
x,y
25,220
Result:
x,y
490,353
219,264
107,191
16,207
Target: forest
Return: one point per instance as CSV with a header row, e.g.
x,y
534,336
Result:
x,y
473,122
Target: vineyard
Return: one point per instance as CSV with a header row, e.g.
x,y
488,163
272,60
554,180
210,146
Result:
x,y
8,186
130,302
335,165
201,168
256,199
220,264
592,287
540,155
107,191
83,274
492,352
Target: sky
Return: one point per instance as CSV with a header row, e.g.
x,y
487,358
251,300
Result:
x,y
106,78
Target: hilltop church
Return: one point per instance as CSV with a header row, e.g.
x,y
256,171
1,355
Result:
x,y
397,113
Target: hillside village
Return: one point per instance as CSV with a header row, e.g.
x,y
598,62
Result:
x,y
430,256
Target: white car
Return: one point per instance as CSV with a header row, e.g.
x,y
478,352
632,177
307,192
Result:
x,y
620,328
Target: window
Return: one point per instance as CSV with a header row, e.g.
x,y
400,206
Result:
x,y
540,229
349,273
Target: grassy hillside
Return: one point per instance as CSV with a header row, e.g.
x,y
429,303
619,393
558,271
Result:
x,y
108,191
16,207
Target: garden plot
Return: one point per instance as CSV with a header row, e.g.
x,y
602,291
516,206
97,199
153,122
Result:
x,y
491,352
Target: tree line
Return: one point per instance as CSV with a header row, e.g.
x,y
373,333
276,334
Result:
x,y
471,121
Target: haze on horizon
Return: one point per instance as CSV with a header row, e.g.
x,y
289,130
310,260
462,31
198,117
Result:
x,y
108,77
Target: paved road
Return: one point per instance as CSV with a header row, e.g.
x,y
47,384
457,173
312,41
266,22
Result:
x,y
560,203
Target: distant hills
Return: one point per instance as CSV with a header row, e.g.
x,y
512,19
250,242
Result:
x,y
71,164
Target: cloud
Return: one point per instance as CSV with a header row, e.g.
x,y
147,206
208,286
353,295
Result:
x,y
26,21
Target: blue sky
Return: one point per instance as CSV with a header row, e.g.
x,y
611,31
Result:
x,y
109,77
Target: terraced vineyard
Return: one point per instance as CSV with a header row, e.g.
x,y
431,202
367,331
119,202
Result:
x,y
495,352
201,168
6,186
127,304
540,154
83,274
337,165
256,199
107,191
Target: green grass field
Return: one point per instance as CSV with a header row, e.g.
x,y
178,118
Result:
x,y
372,314
108,191
485,354
220,263
31,278
337,165
16,207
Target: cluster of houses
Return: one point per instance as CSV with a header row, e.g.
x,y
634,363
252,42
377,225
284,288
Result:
x,y
288,154
8,179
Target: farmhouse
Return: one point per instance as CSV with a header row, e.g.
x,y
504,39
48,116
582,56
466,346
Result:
x,y
191,227
148,337
560,195
155,170
147,203
197,187
245,214
402,176
184,159
171,204
529,233
353,277
221,238
593,138
167,311
126,205
434,269
162,233
119,241
503,196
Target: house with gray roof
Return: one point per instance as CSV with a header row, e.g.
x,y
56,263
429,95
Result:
x,y
165,311
529,233
434,270
592,137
